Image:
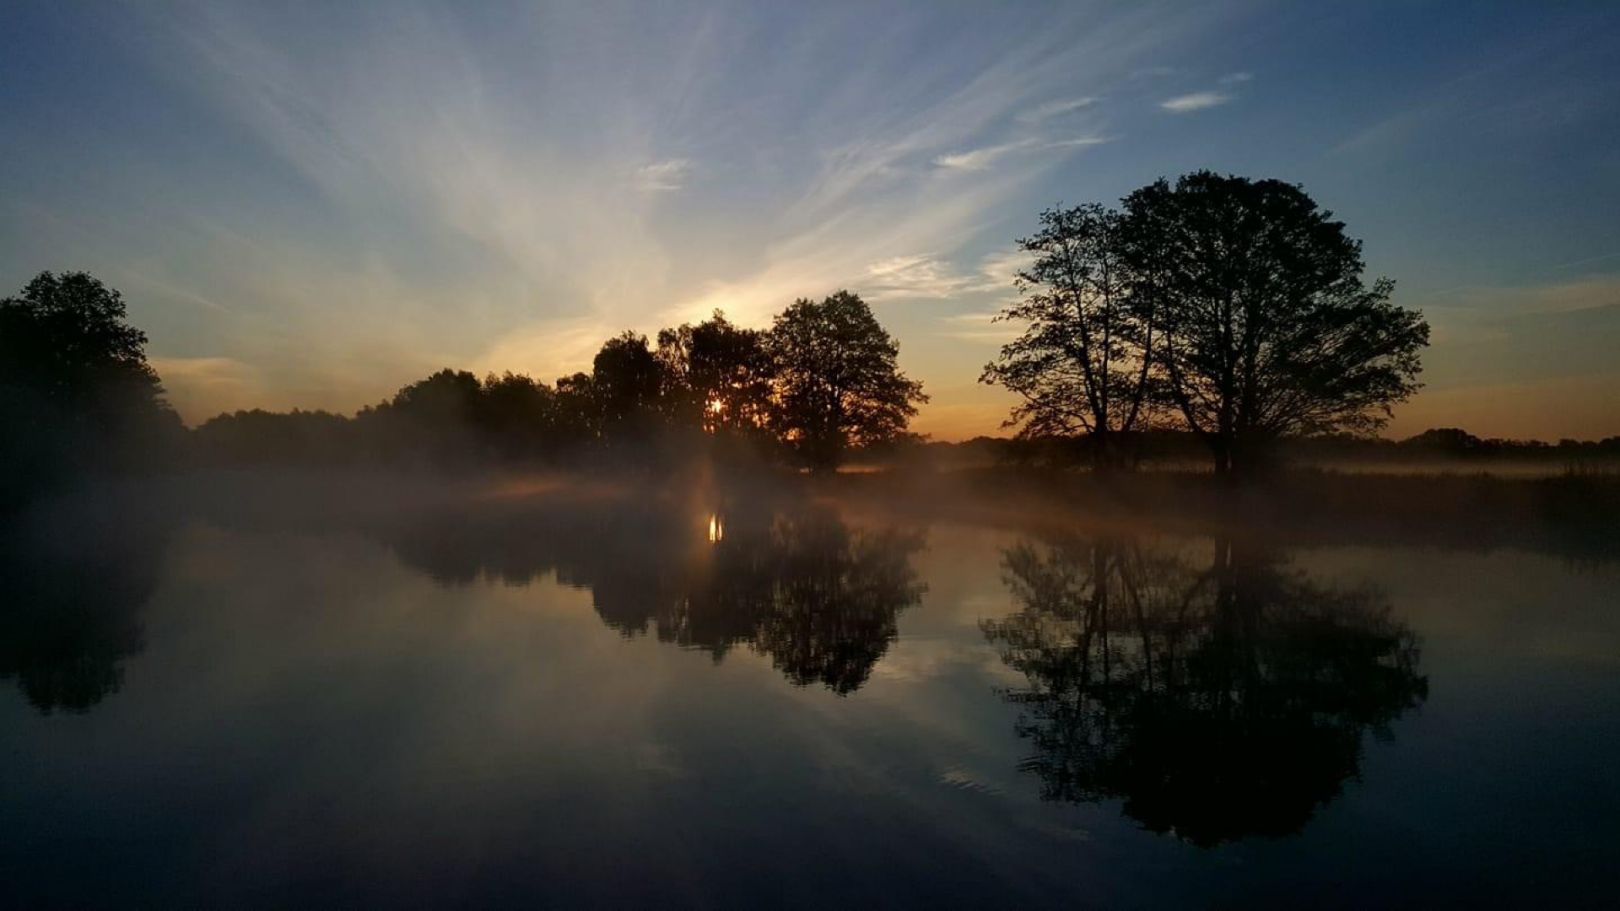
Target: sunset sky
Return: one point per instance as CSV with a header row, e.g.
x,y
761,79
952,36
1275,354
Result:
x,y
311,204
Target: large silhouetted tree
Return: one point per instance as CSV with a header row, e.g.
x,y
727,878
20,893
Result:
x,y
75,388
838,382
1081,364
1265,327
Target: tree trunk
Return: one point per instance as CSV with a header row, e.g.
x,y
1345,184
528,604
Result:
x,y
1102,452
1221,447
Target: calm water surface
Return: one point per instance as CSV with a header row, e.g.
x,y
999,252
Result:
x,y
771,701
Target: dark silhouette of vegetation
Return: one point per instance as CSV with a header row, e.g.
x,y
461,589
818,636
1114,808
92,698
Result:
x,y
1447,450
1239,304
628,385
746,567
719,375
1217,704
1267,328
76,392
73,580
822,380
838,383
1082,363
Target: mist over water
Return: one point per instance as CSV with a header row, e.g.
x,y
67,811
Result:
x,y
284,688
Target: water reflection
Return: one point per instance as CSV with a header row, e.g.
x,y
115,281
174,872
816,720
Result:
x,y
1218,701
72,583
788,579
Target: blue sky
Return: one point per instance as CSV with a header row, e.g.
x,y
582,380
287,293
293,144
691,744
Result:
x,y
312,204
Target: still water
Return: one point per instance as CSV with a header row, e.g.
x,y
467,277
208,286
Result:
x,y
763,700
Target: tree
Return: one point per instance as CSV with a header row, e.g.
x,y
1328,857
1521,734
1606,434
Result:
x,y
628,382
432,420
1082,362
576,417
837,379
449,397
75,387
1265,326
260,437
719,375
518,415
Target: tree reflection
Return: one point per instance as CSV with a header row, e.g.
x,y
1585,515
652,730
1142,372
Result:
x,y
790,580
71,590
1217,704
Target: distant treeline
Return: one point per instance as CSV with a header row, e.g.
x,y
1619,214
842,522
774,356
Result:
x,y
77,396
1181,447
821,380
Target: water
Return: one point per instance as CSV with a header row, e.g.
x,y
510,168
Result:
x,y
610,699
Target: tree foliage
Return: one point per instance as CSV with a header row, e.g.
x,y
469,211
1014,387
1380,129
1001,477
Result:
x,y
838,382
1236,305
1081,364
719,375
1265,325
825,378
73,371
628,383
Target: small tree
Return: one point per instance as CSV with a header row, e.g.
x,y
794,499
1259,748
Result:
x,y
1082,362
1265,327
838,382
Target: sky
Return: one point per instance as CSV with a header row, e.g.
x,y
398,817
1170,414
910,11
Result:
x,y
312,204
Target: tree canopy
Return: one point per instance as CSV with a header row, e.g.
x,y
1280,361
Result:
x,y
719,374
73,371
1265,325
717,388
1081,364
838,381
1235,305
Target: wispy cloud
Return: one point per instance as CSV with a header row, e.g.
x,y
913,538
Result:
x,y
979,159
1078,142
1000,269
1196,101
913,277
982,159
538,192
1058,108
661,176
930,277
979,327
1201,101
